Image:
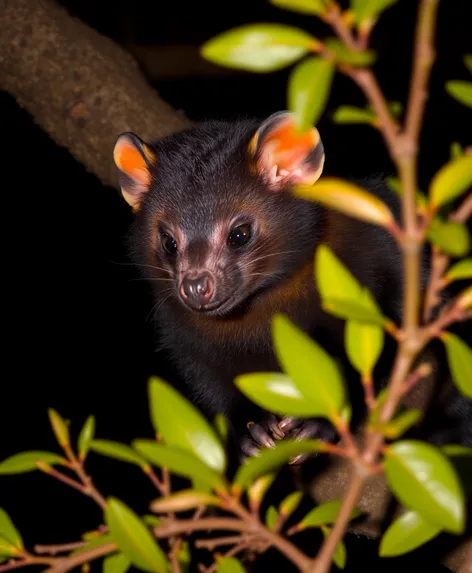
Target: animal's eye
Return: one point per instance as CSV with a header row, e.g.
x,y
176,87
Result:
x,y
168,244
239,236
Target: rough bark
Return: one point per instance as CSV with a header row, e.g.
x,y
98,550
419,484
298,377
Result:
x,y
79,87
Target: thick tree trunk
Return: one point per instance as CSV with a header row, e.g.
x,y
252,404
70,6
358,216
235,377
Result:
x,y
80,87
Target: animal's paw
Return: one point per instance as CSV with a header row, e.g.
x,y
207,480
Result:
x,y
266,433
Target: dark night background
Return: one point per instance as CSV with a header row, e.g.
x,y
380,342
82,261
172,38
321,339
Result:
x,y
76,320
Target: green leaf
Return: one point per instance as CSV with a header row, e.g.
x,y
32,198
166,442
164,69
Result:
x,y
290,503
8,531
323,514
181,425
117,451
152,520
395,185
302,6
364,344
468,62
311,368
461,458
229,565
7,549
179,462
59,427
339,556
85,437
341,293
271,517
351,114
461,270
347,198
271,459
133,538
456,150
459,357
259,47
183,501
257,490
451,180
369,10
464,300
309,86
461,91
99,541
344,55
451,237
184,557
221,427
424,480
26,462
399,425
276,393
118,563
406,533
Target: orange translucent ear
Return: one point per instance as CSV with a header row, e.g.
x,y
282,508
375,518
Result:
x,y
284,156
134,160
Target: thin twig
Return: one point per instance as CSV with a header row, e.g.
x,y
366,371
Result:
x,y
89,488
210,544
439,263
63,548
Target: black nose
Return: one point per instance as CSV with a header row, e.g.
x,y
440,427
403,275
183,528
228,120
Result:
x,y
197,290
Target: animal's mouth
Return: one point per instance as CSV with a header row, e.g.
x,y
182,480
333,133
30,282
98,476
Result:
x,y
216,308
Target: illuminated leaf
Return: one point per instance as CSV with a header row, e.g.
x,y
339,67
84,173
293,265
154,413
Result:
x,y
369,10
8,531
459,357
339,556
424,480
399,425
229,565
456,150
27,462
347,56
351,114
290,503
364,343
271,517
117,563
461,91
468,62
59,428
182,501
451,180
308,90
302,6
347,198
406,533
181,425
461,270
323,514
85,437
451,237
259,47
179,462
134,538
117,451
312,370
257,490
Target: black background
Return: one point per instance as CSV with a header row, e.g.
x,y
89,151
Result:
x,y
77,334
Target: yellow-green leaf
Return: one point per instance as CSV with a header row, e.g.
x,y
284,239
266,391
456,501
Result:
x,y
277,393
117,563
221,426
351,114
133,538
309,86
59,427
229,565
464,300
345,55
347,198
468,62
310,367
7,549
461,458
456,150
323,514
271,517
369,10
257,490
27,462
339,555
461,270
459,357
180,462
399,425
85,437
93,541
289,504
406,533
314,7
8,531
183,501
461,91
364,343
271,459
117,451
451,237
259,47
181,425
395,185
424,480
451,180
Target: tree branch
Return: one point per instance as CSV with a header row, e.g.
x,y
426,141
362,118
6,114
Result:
x,y
80,88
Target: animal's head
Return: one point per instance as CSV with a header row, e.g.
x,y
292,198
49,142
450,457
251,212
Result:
x,y
215,219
